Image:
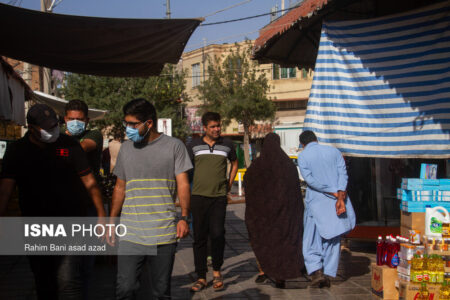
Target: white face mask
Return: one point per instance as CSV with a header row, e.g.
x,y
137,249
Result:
x,y
49,136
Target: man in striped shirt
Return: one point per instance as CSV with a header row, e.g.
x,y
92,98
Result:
x,y
151,171
210,154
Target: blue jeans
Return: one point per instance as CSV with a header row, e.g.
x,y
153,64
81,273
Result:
x,y
57,277
129,269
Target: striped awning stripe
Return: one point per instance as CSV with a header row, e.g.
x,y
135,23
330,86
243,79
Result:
x,y
381,87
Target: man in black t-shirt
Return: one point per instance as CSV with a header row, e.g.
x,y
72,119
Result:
x,y
54,179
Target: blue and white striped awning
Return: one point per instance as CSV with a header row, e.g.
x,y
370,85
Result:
x,y
381,87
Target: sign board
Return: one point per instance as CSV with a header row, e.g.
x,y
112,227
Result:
x,y
165,126
2,149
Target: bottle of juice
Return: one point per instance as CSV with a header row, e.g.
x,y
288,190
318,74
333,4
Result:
x,y
424,294
380,246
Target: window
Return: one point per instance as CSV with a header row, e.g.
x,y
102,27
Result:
x,y
195,75
275,71
278,72
304,73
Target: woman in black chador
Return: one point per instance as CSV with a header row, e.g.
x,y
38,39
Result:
x,y
274,212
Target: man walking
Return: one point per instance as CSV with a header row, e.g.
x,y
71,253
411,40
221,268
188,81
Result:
x,y
328,210
209,197
54,179
91,140
76,120
151,170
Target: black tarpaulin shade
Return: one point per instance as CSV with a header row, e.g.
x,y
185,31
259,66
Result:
x,y
96,46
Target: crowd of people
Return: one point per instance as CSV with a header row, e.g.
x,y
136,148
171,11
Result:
x,y
57,171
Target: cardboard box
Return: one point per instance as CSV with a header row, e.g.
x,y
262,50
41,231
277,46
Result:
x,y
410,291
383,282
412,220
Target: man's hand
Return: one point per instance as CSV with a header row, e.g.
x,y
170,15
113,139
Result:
x,y
111,235
340,203
182,229
340,207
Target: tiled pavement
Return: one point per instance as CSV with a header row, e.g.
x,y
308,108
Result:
x,y
353,281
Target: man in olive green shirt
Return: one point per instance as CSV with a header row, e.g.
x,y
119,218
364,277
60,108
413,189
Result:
x,y
210,187
76,119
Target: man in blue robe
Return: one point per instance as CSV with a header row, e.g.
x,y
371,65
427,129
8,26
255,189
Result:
x,y
328,210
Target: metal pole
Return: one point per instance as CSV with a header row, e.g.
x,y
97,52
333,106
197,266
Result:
x,y
45,73
168,9
204,59
240,184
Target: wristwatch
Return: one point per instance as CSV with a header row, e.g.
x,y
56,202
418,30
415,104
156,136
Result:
x,y
186,219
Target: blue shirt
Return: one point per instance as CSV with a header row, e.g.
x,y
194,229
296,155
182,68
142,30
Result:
x,y
324,171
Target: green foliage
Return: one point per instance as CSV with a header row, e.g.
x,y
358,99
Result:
x,y
166,92
236,89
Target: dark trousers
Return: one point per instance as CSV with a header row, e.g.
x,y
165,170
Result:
x,y
129,269
57,277
208,218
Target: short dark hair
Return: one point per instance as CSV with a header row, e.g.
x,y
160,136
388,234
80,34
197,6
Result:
x,y
78,105
210,116
141,109
307,137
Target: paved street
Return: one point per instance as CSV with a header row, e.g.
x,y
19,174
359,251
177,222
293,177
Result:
x,y
353,282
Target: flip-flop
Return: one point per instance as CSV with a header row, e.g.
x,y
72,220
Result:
x,y
198,286
218,283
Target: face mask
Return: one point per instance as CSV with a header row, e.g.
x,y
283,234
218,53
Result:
x,y
76,127
133,134
49,136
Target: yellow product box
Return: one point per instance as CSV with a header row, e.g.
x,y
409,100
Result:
x,y
411,291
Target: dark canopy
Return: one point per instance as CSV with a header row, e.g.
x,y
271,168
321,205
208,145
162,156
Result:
x,y
293,39
96,46
274,211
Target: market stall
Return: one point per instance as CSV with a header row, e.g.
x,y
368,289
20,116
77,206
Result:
x,y
379,94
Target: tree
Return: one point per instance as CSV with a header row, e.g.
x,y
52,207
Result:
x,y
166,92
237,90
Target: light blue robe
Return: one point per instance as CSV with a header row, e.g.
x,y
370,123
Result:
x,y
324,171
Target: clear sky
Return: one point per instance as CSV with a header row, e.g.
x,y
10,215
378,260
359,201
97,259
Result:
x,y
216,34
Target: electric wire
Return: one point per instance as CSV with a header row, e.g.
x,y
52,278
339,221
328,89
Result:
x,y
248,18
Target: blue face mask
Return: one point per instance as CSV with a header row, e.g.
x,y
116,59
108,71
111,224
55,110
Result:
x,y
133,134
76,127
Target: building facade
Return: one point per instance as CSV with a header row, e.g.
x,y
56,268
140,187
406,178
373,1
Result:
x,y
289,89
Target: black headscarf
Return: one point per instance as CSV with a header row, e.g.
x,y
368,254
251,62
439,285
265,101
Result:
x,y
274,211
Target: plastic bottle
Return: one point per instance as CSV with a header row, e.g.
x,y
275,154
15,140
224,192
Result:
x,y
380,246
447,290
416,274
424,294
444,291
434,218
386,247
440,270
432,269
393,259
426,273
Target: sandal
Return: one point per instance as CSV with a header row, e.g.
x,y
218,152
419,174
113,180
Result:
x,y
218,283
198,286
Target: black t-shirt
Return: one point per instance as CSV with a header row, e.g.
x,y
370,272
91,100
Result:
x,y
48,178
95,156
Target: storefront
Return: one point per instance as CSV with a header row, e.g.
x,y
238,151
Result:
x,y
378,92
